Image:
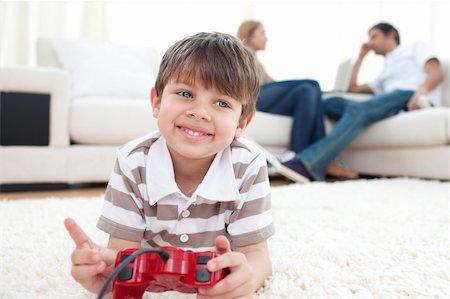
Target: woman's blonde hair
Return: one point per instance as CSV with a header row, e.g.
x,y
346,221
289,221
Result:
x,y
246,30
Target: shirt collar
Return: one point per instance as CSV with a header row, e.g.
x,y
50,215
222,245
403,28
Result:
x,y
393,53
219,183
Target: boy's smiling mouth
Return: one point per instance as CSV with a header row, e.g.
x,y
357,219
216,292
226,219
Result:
x,y
193,132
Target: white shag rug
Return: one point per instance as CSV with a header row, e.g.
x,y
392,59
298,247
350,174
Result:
x,y
386,238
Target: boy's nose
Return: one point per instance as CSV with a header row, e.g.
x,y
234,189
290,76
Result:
x,y
199,111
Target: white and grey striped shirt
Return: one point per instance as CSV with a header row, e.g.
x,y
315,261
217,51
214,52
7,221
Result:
x,y
143,201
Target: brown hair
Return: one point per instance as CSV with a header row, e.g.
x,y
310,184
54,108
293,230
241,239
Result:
x,y
387,28
246,30
216,59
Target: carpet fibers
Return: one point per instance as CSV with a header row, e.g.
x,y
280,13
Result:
x,y
354,239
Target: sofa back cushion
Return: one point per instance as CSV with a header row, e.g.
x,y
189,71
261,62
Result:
x,y
106,121
46,55
101,68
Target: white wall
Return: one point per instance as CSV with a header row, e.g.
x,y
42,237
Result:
x,y
311,36
307,38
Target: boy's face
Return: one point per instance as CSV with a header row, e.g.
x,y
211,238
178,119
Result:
x,y
197,122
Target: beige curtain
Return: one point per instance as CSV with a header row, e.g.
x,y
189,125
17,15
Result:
x,y
22,22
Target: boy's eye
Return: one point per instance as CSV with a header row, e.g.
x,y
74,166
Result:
x,y
185,94
223,104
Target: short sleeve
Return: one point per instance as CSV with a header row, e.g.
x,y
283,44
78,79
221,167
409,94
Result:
x,y
252,221
122,214
422,53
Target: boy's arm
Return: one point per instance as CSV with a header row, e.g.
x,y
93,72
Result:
x,y
117,244
259,260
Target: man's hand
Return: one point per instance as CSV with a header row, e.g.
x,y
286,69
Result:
x,y
240,283
365,48
91,264
353,85
413,103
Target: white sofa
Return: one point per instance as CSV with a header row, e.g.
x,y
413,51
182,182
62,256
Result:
x,y
84,133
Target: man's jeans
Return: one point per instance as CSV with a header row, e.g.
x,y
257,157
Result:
x,y
301,99
353,117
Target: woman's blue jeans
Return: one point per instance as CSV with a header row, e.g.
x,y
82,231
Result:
x,y
352,118
301,99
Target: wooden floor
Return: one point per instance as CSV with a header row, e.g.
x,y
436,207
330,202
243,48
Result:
x,y
86,191
72,192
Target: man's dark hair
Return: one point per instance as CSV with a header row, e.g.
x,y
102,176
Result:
x,y
387,28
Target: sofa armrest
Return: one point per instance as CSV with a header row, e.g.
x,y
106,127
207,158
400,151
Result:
x,y
44,80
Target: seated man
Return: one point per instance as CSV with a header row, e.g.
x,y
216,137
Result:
x,y
409,81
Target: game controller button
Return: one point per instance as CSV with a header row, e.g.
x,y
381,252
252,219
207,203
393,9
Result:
x,y
124,256
202,275
126,274
185,213
203,259
184,238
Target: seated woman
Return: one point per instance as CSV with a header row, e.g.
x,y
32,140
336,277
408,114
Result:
x,y
301,99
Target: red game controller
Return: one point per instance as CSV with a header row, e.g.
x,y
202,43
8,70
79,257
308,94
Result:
x,y
178,270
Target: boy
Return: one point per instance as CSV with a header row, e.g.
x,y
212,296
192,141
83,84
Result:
x,y
194,184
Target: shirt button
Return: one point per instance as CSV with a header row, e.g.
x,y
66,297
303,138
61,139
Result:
x,y
184,238
185,213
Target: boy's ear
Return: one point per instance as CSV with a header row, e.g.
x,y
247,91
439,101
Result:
x,y
243,124
155,102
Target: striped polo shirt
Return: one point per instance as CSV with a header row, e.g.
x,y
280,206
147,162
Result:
x,y
143,202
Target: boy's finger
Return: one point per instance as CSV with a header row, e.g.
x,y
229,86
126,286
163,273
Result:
x,y
77,234
86,256
231,260
233,287
222,245
83,273
109,256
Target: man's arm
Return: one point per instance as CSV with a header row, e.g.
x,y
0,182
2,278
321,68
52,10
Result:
x,y
434,78
353,86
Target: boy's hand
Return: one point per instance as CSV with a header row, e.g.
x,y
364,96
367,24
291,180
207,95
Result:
x,y
239,283
91,264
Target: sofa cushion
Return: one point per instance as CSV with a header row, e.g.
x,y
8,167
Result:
x,y
100,68
105,120
270,130
421,128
